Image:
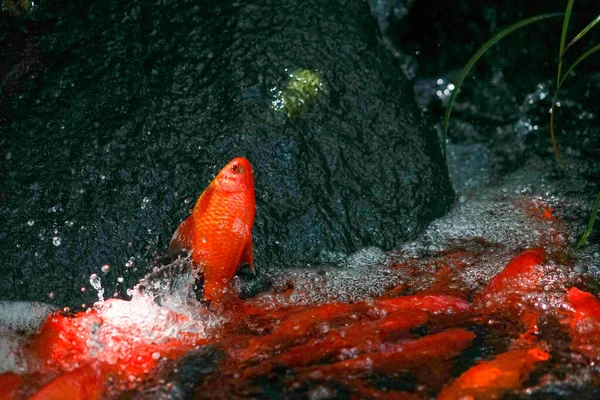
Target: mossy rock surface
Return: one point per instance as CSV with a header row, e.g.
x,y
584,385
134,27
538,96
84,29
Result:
x,y
134,106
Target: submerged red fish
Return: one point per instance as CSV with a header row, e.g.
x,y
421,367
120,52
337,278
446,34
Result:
x,y
219,232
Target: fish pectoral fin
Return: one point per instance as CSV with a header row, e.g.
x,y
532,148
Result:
x,y
183,238
203,200
247,255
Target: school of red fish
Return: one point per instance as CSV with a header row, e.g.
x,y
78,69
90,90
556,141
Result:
x,y
451,341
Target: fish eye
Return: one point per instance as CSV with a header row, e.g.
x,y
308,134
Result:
x,y
238,169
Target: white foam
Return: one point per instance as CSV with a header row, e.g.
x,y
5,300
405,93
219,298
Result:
x,y
23,316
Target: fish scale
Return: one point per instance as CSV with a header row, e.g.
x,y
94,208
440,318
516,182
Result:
x,y
219,232
220,246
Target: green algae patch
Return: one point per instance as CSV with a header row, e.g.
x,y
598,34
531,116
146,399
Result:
x,y
304,88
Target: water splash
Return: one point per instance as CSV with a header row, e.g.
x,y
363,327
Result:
x,y
96,283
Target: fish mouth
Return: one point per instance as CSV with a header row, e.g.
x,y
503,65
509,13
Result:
x,y
237,169
236,176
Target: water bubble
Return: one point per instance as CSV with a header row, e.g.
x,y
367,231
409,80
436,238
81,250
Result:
x,y
96,283
83,289
105,268
129,263
30,222
120,279
145,202
155,355
56,241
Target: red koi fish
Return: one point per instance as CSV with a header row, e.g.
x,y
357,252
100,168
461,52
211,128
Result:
x,y
85,383
10,383
583,311
492,379
219,232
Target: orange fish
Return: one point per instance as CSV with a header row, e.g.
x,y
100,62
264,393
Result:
x,y
492,379
84,383
219,232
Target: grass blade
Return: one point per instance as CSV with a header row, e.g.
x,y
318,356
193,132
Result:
x,y
591,222
563,38
580,59
555,147
583,32
465,70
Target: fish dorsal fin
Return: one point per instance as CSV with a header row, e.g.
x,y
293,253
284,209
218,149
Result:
x,y
248,256
183,238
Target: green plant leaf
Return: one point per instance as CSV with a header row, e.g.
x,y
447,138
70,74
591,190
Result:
x,y
590,225
580,59
553,140
582,33
555,148
482,50
563,38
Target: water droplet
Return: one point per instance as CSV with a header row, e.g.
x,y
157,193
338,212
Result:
x,y
105,268
83,289
97,284
145,202
30,222
120,279
95,281
156,355
56,241
51,295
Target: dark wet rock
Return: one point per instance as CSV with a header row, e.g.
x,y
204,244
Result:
x,y
140,104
